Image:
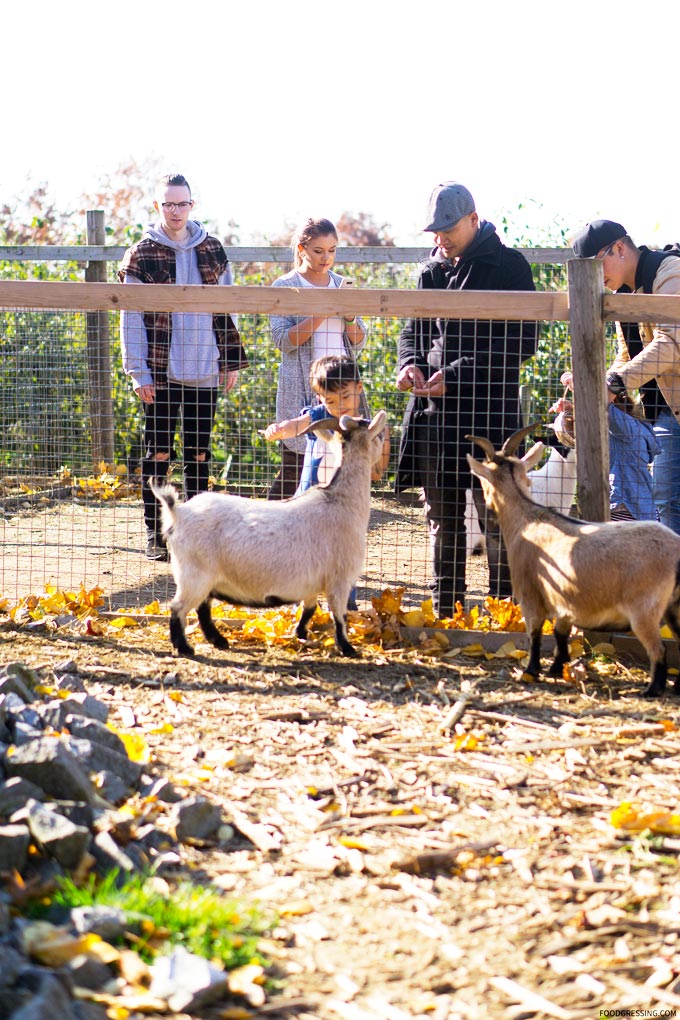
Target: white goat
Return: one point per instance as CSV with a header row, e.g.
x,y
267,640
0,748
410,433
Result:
x,y
257,553
553,484
624,574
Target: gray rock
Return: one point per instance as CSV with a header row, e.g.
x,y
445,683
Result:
x,y
52,1001
195,818
14,841
107,922
18,679
56,835
162,789
77,811
187,982
96,731
11,966
28,715
70,682
50,765
155,839
66,666
89,1011
88,973
55,712
98,758
15,792
108,854
11,1000
111,787
24,733
10,704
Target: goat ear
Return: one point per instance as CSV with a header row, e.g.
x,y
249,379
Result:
x,y
378,424
532,456
477,468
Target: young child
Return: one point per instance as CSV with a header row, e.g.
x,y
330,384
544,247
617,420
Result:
x,y
632,447
335,380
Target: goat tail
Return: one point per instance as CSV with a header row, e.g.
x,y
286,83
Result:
x,y
672,614
166,496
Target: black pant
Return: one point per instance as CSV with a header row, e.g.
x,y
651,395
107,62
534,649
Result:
x,y
444,487
197,406
288,478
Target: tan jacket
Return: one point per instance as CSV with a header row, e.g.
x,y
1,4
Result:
x,y
660,357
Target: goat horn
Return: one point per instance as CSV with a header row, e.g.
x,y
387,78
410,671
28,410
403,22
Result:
x,y
485,444
330,424
513,441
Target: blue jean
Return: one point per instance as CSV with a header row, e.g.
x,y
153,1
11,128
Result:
x,y
666,471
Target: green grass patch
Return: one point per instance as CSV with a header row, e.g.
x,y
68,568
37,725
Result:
x,y
200,918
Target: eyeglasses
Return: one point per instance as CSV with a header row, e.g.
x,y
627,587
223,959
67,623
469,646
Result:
x,y
604,254
176,205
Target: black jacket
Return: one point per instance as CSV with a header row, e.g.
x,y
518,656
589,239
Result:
x,y
480,359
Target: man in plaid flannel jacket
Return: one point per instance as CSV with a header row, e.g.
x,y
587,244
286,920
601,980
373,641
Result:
x,y
177,361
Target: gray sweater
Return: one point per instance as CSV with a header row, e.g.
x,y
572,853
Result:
x,y
294,391
193,357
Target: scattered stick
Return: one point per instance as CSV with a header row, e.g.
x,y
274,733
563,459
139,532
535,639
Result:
x,y
457,711
532,1000
442,860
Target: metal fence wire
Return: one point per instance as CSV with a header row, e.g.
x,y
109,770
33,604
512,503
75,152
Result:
x,y
70,518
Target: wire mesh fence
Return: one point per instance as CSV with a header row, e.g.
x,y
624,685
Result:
x,y
71,519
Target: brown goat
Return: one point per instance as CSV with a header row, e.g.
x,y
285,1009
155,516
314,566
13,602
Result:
x,y
621,575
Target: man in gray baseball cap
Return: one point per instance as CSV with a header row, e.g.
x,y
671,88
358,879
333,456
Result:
x,y
463,376
448,204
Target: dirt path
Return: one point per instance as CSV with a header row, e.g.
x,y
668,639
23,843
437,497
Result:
x,y
418,873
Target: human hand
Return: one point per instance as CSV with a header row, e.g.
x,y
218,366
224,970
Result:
x,y
272,432
147,394
409,377
560,405
435,386
228,380
567,380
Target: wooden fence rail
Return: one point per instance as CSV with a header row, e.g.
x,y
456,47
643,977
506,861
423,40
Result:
x,y
358,254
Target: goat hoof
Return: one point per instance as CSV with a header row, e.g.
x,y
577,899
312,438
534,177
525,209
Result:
x,y
655,689
220,643
557,669
185,650
350,652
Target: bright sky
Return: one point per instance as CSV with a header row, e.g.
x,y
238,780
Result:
x,y
279,110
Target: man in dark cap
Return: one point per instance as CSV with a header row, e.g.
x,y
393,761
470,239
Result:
x,y
648,356
463,376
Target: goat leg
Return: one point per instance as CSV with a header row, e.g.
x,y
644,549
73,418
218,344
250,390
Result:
x,y
658,682
534,667
208,627
307,614
341,637
561,651
177,635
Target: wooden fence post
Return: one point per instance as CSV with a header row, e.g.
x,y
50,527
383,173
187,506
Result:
x,y
99,354
588,358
